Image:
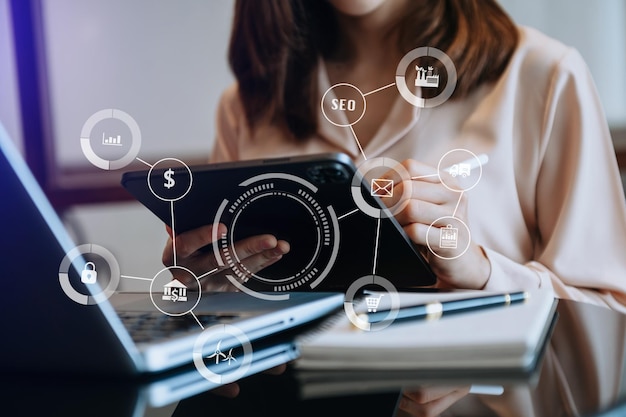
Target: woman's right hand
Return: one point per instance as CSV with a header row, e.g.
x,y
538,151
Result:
x,y
255,253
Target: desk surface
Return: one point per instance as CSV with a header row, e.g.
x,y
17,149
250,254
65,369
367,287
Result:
x,y
581,373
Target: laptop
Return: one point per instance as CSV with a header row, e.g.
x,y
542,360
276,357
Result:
x,y
151,396
47,330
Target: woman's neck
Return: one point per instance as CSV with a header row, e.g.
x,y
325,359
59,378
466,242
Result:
x,y
371,37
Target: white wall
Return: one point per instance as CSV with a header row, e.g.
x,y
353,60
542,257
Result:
x,y
163,62
597,29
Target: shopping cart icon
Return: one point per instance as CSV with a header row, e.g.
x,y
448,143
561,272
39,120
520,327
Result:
x,y
372,303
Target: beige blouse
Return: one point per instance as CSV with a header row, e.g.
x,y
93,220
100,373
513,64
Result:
x,y
549,209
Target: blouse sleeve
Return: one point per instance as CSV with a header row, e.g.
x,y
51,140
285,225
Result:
x,y
227,127
580,243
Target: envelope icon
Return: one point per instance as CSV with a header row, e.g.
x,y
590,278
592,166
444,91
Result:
x,y
381,187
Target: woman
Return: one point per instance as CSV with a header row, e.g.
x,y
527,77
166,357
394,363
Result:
x,y
549,209
524,99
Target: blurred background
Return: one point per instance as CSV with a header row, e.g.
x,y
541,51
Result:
x,y
164,63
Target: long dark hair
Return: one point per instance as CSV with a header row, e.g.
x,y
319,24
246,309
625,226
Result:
x,y
275,46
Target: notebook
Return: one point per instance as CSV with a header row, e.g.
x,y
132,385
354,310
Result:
x,y
48,328
505,338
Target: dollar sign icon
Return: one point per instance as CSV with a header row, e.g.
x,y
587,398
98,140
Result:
x,y
169,181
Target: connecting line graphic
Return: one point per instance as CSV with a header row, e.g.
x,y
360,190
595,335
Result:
x,y
197,320
173,233
175,261
174,251
139,278
376,248
150,279
471,163
172,214
358,143
144,162
379,89
206,274
419,177
457,203
348,214
375,260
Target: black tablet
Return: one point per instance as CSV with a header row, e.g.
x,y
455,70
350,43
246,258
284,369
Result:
x,y
337,226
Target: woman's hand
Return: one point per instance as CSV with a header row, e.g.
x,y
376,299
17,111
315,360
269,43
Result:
x,y
431,200
255,253
429,401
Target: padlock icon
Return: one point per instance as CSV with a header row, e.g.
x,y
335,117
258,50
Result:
x,y
89,273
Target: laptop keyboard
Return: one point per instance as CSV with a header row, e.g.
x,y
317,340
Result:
x,y
150,327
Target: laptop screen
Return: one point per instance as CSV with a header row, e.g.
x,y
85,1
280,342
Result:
x,y
47,329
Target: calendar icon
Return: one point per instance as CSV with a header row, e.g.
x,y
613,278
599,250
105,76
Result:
x,y
448,237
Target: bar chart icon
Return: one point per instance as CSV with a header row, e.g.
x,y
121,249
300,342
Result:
x,y
112,140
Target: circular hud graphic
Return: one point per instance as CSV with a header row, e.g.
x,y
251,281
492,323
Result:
x,y
286,207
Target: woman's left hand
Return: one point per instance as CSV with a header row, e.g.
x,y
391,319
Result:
x,y
429,201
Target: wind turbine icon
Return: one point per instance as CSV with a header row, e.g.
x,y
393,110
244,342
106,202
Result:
x,y
230,357
219,353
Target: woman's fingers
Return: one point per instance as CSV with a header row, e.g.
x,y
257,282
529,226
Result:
x,y
255,258
251,254
416,171
254,245
431,196
258,252
189,242
428,205
425,196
